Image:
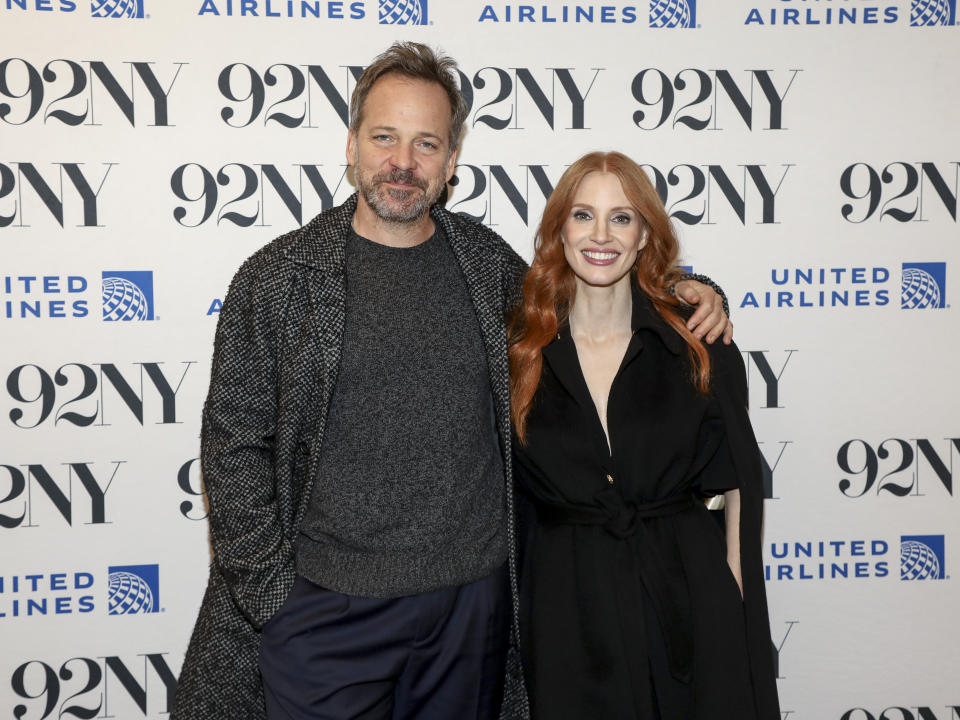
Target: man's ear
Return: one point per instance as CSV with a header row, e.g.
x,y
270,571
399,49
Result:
x,y
452,163
351,146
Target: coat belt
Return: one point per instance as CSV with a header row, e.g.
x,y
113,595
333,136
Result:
x,y
667,592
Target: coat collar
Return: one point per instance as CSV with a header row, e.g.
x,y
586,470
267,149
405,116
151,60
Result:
x,y
646,317
561,353
322,242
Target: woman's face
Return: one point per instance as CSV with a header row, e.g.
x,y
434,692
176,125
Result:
x,y
603,233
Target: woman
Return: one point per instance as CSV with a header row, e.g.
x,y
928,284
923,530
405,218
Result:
x,y
635,602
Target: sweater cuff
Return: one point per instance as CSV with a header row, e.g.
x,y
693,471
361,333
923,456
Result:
x,y
706,281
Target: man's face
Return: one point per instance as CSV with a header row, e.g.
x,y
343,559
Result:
x,y
401,151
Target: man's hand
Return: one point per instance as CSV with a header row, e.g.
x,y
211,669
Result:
x,y
709,321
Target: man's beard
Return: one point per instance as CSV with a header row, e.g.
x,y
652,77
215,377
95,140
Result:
x,y
393,204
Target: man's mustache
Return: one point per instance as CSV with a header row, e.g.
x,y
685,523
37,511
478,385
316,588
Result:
x,y
407,177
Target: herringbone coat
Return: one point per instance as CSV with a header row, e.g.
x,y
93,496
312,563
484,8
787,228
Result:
x,y
275,362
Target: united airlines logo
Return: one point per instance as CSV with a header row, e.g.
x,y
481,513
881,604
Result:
x,y
133,589
923,285
403,12
128,295
932,12
673,13
922,557
117,8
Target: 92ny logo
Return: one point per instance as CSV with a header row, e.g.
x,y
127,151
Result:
x,y
238,193
37,494
84,687
86,395
900,191
694,98
76,200
896,466
88,93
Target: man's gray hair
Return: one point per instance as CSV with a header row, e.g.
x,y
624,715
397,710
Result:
x,y
420,62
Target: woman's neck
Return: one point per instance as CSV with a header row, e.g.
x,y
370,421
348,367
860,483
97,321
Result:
x,y
602,313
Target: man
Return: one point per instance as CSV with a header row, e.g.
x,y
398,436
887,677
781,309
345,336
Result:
x,y
356,443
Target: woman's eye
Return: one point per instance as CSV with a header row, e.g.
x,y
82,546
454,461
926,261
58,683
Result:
x,y
622,219
581,215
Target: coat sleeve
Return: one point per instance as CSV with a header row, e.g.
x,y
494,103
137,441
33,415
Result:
x,y
729,384
705,279
237,450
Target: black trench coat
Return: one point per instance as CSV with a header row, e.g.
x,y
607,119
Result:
x,y
627,601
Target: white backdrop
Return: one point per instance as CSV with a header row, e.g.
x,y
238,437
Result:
x,y
803,148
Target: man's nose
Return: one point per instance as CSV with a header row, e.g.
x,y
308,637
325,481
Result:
x,y
402,157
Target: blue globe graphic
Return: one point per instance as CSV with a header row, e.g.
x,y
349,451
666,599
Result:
x,y
114,8
128,594
919,289
670,13
918,561
930,12
123,300
401,12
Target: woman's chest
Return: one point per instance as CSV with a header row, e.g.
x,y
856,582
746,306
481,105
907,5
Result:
x,y
653,421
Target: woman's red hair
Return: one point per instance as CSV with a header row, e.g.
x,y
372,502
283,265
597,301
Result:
x,y
550,286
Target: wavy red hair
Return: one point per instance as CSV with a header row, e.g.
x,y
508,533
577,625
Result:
x,y
550,286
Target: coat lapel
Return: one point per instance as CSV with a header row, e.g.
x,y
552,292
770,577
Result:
x,y
322,248
487,295
561,355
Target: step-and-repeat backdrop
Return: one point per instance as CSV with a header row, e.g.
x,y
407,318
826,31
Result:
x,y
807,152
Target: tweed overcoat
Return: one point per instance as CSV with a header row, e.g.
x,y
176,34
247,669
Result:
x,y
275,362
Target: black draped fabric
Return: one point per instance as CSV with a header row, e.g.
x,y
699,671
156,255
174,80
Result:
x,y
629,609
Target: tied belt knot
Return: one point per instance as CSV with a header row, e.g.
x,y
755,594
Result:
x,y
644,555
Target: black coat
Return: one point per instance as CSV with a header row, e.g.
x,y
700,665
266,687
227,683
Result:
x,y
624,577
275,362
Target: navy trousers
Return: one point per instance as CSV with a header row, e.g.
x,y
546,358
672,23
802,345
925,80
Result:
x,y
433,656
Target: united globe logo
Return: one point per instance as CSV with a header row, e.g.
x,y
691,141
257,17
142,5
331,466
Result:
x,y
127,295
133,589
673,13
117,8
923,285
924,13
922,557
403,12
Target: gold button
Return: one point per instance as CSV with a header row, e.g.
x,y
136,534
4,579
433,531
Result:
x,y
610,478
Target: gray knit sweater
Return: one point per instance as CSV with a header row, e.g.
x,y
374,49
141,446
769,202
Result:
x,y
409,495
